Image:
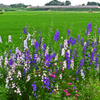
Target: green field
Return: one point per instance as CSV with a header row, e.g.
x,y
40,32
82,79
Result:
x,y
12,23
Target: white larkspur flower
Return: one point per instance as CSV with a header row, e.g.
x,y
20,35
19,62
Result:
x,y
19,74
47,50
32,42
65,44
97,67
0,40
72,63
25,44
68,53
28,77
28,36
82,74
84,43
60,76
63,52
61,37
64,65
18,90
17,50
38,59
56,57
1,57
57,87
7,81
9,38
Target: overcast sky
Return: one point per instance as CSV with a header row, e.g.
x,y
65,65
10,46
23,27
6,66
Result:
x,y
43,2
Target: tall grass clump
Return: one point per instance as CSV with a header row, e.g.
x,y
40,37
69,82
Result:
x,y
36,72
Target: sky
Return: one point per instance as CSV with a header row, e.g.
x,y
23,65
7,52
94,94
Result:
x,y
43,2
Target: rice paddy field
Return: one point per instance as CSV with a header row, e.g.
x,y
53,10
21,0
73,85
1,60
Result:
x,y
47,24
13,23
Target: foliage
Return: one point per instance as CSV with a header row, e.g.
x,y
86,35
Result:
x,y
93,3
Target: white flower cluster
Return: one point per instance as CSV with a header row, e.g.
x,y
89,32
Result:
x,y
9,38
19,75
64,65
17,91
28,78
0,40
1,59
72,63
65,44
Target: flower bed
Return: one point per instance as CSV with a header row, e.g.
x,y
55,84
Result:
x,y
37,71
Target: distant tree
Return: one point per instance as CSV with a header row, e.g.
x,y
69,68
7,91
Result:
x,y
67,2
62,3
92,3
83,4
19,5
53,2
56,2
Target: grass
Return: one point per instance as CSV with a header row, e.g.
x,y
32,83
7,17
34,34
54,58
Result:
x,y
12,23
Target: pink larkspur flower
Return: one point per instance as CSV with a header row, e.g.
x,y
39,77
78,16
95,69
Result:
x,y
67,94
70,83
77,95
52,76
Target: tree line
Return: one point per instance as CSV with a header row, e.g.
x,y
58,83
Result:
x,y
53,2
67,2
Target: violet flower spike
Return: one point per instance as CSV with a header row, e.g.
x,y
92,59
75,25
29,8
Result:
x,y
25,30
68,32
34,87
56,36
99,31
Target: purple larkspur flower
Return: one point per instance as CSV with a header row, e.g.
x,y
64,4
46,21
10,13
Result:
x,y
77,79
92,56
95,49
89,54
39,31
28,52
87,43
96,61
68,63
74,41
68,32
89,27
36,44
72,56
25,30
56,36
99,31
81,62
24,71
92,44
10,62
78,38
44,46
82,41
46,81
84,50
47,63
34,87
46,57
40,41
